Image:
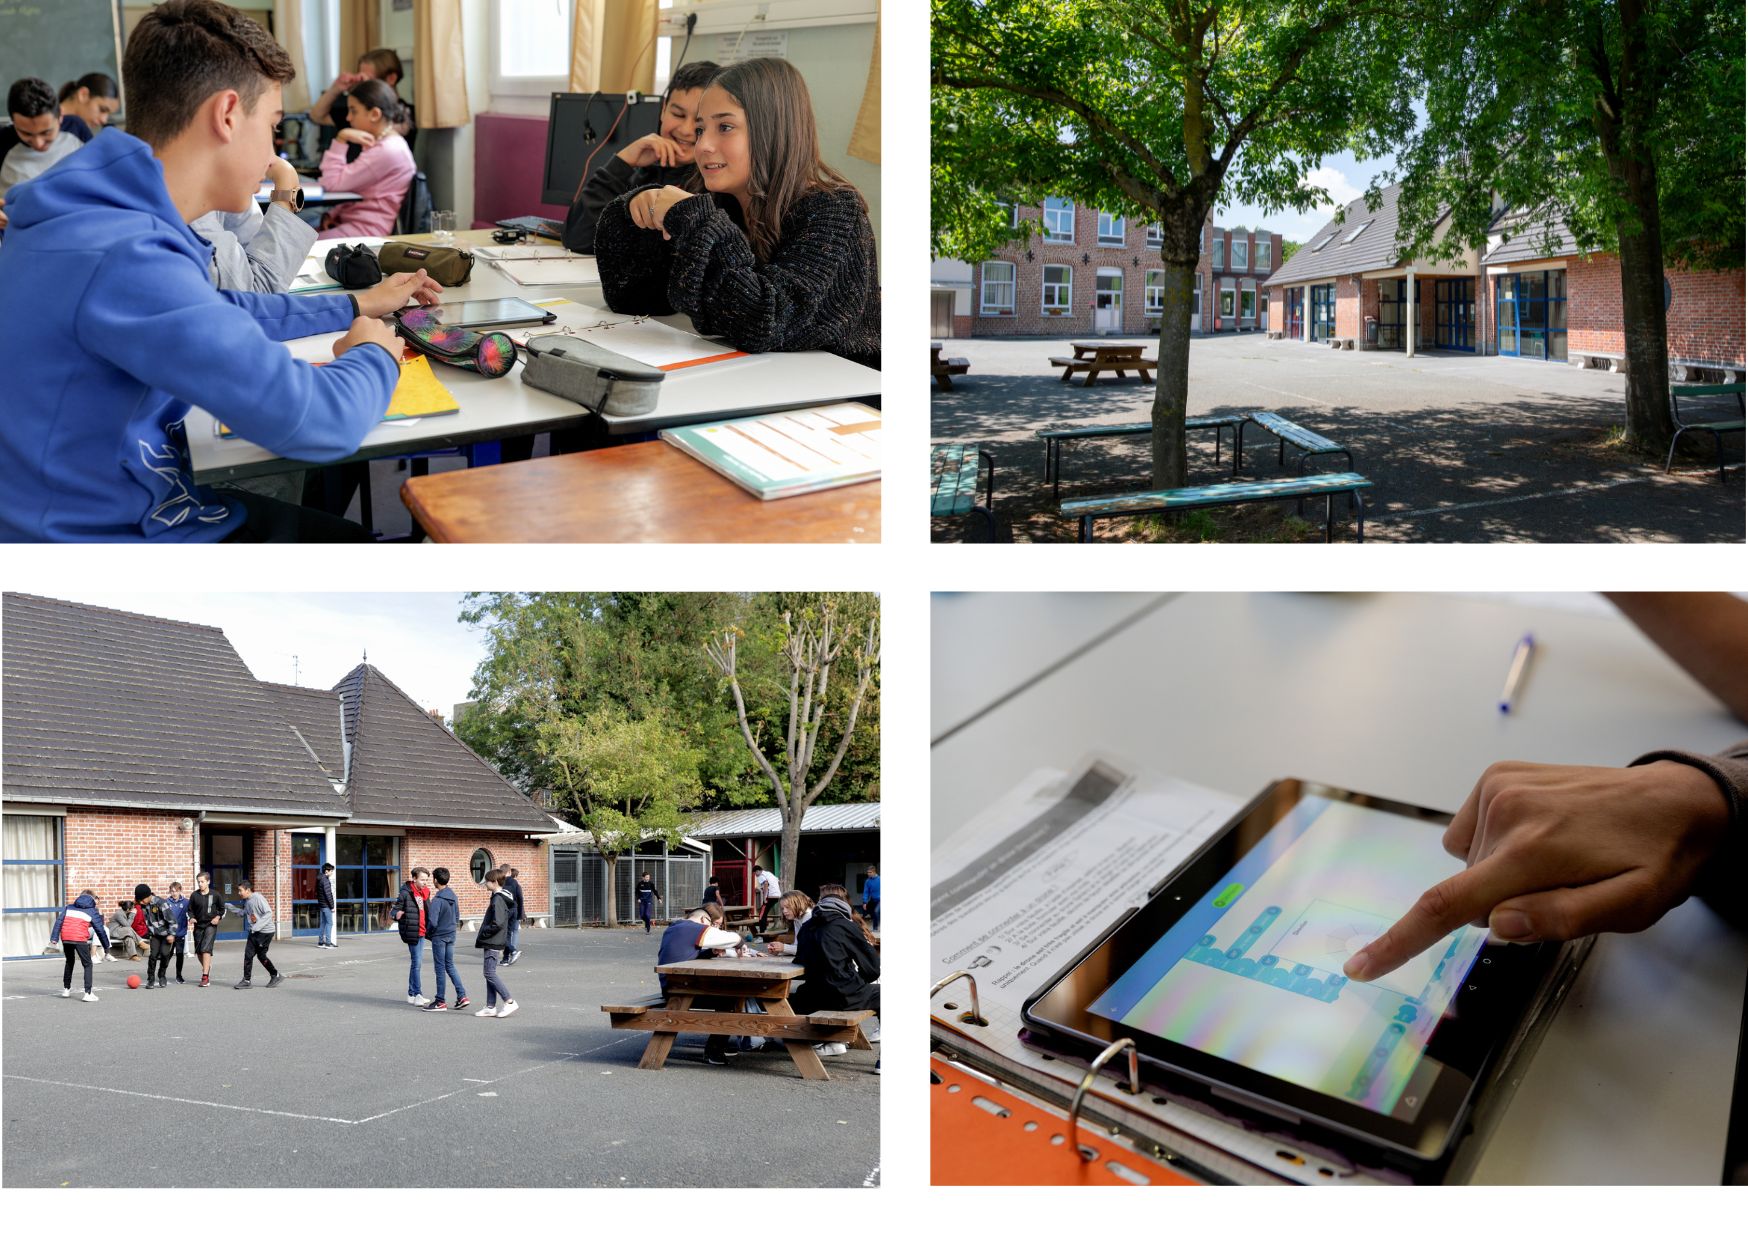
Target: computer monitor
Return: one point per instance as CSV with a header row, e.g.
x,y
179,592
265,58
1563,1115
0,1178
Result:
x,y
582,122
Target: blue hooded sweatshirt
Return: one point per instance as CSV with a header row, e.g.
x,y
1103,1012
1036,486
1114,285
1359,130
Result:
x,y
117,330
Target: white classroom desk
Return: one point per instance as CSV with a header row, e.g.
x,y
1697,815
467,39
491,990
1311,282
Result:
x,y
1396,695
498,408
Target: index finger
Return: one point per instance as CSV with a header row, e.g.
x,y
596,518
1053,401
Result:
x,y
1442,908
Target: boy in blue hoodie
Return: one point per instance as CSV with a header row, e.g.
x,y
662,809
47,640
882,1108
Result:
x,y
442,916
100,258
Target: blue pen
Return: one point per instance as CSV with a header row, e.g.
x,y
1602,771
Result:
x,y
1519,665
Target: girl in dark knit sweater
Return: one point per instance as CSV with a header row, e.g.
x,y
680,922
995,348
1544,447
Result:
x,y
776,255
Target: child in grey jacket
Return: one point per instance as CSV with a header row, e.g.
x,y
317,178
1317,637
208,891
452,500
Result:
x,y
259,917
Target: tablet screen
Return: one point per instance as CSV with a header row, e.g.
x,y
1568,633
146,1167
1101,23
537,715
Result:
x,y
1252,973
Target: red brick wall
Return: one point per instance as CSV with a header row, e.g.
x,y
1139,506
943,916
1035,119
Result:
x,y
1705,312
111,850
1369,292
454,849
1347,306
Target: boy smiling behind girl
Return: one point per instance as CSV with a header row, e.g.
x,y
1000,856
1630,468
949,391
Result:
x,y
99,257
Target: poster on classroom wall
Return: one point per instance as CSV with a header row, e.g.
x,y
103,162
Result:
x,y
731,48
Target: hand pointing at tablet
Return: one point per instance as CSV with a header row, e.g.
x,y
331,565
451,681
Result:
x,y
1558,852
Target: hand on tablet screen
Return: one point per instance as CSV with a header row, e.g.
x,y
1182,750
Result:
x,y
1558,852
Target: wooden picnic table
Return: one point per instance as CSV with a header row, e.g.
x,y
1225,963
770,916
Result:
x,y
736,979
1092,356
944,368
643,492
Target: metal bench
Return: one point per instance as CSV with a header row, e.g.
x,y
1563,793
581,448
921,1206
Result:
x,y
1216,422
955,467
1309,443
1716,429
1087,511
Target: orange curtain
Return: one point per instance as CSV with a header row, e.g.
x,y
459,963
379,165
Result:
x,y
360,31
613,45
865,137
440,74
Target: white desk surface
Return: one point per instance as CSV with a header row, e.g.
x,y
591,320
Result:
x,y
496,408
1395,695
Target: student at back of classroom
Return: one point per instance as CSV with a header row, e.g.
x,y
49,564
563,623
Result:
x,y
100,262
382,171
39,141
777,254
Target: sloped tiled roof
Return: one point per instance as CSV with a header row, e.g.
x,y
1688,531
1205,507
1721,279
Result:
x,y
107,707
1372,250
1530,235
315,713
409,770
820,819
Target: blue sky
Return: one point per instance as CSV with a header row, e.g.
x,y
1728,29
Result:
x,y
413,639
1343,176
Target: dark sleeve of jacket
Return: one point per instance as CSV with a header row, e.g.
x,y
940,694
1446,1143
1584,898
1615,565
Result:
x,y
607,180
633,261
1720,886
812,293
517,909
489,926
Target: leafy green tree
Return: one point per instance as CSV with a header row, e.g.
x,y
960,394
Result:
x,y
1160,108
1288,249
621,779
828,636
1621,118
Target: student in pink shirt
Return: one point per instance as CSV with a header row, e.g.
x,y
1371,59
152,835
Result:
x,y
382,171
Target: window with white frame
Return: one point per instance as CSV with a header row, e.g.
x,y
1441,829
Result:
x,y
1264,252
1240,253
1153,291
1197,304
1059,219
1013,214
34,861
1058,288
998,289
1225,303
1265,303
1155,236
1354,235
1247,304
1110,229
1219,251
529,49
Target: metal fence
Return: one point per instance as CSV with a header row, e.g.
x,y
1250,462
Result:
x,y
579,885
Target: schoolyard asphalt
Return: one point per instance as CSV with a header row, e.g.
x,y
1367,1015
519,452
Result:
x,y
333,1080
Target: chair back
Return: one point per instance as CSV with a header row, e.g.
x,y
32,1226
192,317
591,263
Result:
x,y
415,216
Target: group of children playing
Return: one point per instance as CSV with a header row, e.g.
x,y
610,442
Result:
x,y
828,939
143,257
158,927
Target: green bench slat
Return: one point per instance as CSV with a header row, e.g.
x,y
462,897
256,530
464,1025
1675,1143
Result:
x,y
1205,422
1295,434
1216,493
955,469
1733,425
1707,389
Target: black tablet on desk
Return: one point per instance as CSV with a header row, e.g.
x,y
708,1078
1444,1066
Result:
x,y
1230,980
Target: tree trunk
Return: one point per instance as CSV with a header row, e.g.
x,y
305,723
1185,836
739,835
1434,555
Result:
x,y
1171,394
611,915
793,812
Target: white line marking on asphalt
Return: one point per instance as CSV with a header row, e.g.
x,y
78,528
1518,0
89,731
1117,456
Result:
x,y
1514,499
471,1081
453,1092
199,1102
872,1178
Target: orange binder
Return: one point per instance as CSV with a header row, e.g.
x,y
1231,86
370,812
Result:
x,y
982,1133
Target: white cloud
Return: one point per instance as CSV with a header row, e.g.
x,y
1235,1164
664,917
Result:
x,y
1301,225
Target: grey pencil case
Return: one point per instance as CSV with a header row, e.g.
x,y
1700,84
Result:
x,y
598,379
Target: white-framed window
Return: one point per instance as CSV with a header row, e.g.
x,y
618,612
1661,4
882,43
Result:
x,y
998,289
1155,236
1265,304
1013,214
1240,253
479,865
35,862
1225,303
529,50
1059,220
1219,251
1153,292
1058,296
1247,304
1352,236
1322,243
1264,252
1197,306
1110,229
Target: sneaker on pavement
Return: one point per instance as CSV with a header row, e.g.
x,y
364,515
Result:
x,y
509,1008
277,978
876,1067
486,1011
416,1000
715,1061
438,1006
205,982
66,992
833,1048
462,1002
88,998
243,985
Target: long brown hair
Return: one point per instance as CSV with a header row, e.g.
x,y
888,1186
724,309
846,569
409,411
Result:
x,y
784,142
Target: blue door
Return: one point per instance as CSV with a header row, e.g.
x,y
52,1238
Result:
x,y
1322,311
1454,326
1531,313
227,856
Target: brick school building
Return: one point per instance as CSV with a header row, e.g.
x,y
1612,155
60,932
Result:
x,y
138,749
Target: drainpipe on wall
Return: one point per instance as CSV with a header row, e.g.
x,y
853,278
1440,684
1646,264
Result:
x,y
278,904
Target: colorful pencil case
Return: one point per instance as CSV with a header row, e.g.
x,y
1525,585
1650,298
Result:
x,y
492,354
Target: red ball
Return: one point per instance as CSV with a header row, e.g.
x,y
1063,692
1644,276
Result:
x,y
133,981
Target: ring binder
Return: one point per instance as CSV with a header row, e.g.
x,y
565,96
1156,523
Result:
x,y
975,1015
1092,1071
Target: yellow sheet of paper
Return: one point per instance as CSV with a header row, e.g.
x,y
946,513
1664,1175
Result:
x,y
419,392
